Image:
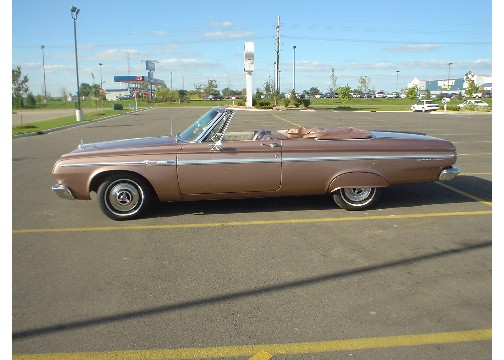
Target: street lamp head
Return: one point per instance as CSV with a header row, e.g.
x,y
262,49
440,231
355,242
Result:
x,y
42,47
74,12
100,64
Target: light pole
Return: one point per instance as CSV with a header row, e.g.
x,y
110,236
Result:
x,y
101,79
43,68
397,79
79,114
449,68
294,69
101,85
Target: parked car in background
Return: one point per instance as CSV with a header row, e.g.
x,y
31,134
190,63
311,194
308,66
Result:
x,y
472,103
393,95
214,97
477,95
380,94
205,161
425,105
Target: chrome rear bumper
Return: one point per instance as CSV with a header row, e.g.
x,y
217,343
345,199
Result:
x,y
63,192
449,173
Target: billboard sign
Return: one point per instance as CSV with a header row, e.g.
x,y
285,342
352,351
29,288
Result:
x,y
150,65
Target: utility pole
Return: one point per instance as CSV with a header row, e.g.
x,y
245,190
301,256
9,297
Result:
x,y
128,71
43,67
294,69
277,64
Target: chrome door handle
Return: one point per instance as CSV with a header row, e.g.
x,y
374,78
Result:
x,y
271,145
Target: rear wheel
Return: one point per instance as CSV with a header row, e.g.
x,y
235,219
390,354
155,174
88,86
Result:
x,y
356,198
124,196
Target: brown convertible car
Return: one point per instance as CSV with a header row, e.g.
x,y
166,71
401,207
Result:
x,y
206,161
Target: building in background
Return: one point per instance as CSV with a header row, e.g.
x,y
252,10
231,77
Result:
x,y
451,86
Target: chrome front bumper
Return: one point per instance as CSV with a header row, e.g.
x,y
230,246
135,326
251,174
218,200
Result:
x,y
63,192
449,173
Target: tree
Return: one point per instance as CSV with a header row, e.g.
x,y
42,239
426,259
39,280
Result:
x,y
211,87
411,93
163,94
85,89
314,91
19,86
64,93
363,84
268,91
334,78
198,90
30,100
344,93
471,85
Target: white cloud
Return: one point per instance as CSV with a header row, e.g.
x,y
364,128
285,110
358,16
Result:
x,y
227,35
221,23
187,64
414,48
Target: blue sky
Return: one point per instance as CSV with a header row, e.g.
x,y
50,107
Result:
x,y
196,41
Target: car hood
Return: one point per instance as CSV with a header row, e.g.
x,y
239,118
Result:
x,y
126,144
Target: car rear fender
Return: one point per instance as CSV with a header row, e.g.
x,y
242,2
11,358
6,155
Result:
x,y
357,179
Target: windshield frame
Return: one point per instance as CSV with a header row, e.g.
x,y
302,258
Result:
x,y
198,130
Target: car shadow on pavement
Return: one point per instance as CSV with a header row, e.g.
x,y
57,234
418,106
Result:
x,y
398,196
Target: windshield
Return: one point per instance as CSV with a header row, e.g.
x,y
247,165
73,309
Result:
x,y
192,133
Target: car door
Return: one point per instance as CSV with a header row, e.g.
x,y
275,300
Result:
x,y
233,167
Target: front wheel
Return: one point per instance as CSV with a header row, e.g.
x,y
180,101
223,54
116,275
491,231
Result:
x,y
356,198
124,197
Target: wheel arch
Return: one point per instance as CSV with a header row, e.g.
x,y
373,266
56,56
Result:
x,y
357,179
100,177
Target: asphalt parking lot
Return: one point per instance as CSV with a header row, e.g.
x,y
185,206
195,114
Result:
x,y
288,278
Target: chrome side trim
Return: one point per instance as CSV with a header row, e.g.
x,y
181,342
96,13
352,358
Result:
x,y
276,159
271,160
419,157
125,163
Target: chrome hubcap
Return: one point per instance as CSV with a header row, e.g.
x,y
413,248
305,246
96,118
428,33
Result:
x,y
357,194
123,197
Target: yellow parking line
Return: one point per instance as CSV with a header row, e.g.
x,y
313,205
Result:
x,y
464,193
266,351
254,222
263,355
290,122
477,173
475,154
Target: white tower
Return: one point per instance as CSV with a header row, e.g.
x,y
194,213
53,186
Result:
x,y
248,59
